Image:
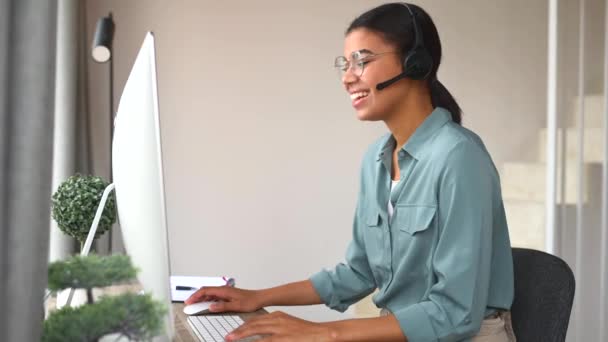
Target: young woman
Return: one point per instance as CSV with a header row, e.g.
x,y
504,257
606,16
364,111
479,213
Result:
x,y
429,232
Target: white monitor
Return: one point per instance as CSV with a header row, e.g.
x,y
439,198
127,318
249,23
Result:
x,y
137,170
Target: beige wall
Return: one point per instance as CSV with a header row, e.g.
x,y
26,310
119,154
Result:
x,y
261,146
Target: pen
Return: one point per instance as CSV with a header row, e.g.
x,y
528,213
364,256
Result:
x,y
229,281
185,288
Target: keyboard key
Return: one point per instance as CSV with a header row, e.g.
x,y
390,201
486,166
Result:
x,y
201,332
213,328
217,324
232,322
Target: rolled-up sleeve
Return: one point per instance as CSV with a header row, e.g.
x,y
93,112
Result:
x,y
456,303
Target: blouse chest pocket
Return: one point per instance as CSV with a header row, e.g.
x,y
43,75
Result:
x,y
414,219
373,219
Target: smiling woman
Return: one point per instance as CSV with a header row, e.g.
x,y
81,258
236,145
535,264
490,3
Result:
x,y
382,32
429,232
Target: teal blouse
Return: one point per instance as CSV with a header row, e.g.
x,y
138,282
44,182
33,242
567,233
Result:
x,y
443,262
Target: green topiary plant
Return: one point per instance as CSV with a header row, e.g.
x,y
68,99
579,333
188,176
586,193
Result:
x,y
137,317
87,272
74,205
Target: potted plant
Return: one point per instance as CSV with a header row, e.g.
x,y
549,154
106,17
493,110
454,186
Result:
x,y
74,205
137,317
134,316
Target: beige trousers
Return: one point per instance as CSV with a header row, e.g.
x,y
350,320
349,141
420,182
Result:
x,y
496,328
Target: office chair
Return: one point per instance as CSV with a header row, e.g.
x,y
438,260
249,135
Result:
x,y
544,291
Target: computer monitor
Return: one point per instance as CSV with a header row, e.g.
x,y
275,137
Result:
x,y
137,170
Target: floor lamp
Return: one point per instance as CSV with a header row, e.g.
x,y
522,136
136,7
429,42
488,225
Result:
x,y
102,53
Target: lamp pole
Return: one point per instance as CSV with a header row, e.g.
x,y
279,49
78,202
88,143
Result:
x,y
102,53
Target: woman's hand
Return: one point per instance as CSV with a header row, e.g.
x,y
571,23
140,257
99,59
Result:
x,y
228,299
279,326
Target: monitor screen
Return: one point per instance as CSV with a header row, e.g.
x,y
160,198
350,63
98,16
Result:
x,y
138,176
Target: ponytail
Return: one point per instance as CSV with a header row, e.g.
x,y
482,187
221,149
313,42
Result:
x,y
441,97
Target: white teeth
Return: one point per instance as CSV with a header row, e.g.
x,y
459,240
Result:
x,y
358,95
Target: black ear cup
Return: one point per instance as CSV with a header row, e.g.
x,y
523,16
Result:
x,y
418,64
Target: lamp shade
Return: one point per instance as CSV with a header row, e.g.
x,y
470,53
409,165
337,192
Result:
x,y
102,41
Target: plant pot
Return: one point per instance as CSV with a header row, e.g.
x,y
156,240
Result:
x,y
79,298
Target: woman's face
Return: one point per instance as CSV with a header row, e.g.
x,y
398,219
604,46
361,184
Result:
x,y
372,104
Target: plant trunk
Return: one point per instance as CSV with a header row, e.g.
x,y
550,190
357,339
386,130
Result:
x,y
90,296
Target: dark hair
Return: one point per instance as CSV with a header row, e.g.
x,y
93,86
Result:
x,y
394,22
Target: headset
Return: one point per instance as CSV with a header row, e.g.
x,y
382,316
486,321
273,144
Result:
x,y
417,63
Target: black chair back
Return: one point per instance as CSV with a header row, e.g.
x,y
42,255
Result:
x,y
544,291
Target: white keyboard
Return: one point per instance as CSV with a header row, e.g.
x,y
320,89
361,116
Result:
x,y
213,328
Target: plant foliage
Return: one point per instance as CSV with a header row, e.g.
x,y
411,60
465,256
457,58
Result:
x,y
90,271
74,205
136,317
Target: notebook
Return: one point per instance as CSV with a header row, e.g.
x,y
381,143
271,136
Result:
x,y
183,287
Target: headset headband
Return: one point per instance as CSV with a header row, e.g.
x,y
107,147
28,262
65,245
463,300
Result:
x,y
418,35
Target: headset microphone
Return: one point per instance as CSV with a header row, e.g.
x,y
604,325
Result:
x,y
385,84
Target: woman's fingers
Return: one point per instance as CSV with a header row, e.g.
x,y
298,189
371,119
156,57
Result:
x,y
251,328
227,298
220,306
209,293
274,323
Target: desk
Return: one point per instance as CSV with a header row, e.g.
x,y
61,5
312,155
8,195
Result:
x,y
183,331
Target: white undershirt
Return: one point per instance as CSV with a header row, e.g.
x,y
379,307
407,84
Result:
x,y
390,205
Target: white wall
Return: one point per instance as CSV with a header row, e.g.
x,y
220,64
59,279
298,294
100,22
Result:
x,y
261,146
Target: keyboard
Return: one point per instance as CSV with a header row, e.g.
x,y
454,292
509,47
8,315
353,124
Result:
x,y
213,328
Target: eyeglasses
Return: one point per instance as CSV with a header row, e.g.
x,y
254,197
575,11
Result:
x,y
358,60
